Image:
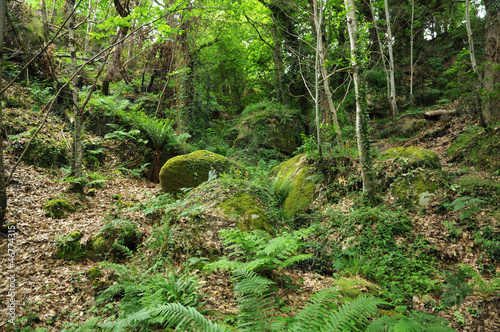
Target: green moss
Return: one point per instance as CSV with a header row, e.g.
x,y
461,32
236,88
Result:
x,y
351,288
93,273
413,156
419,188
57,208
69,247
97,248
477,147
268,125
188,171
249,214
291,186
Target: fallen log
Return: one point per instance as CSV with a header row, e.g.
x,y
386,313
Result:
x,y
439,113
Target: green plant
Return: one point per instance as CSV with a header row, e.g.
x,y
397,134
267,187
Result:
x,y
258,251
68,246
124,234
469,206
96,180
456,288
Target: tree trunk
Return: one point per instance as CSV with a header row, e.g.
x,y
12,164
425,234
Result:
x,y
3,192
43,9
76,165
490,112
115,67
317,16
411,48
361,116
473,56
382,53
392,98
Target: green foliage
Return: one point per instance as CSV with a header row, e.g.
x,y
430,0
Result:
x,y
124,236
57,208
468,206
68,246
143,298
256,304
456,288
258,251
43,152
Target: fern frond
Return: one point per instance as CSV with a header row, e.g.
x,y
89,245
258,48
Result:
x,y
181,318
312,317
114,290
354,316
257,307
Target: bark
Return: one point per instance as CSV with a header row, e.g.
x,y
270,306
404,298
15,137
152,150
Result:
x,y
317,15
76,166
491,109
392,97
3,192
361,120
412,66
382,53
472,55
43,9
116,66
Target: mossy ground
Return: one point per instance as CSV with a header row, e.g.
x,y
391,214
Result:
x,y
291,185
188,171
57,208
249,214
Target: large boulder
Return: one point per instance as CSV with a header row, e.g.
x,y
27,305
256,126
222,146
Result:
x,y
405,127
412,157
269,126
190,170
413,174
292,184
247,213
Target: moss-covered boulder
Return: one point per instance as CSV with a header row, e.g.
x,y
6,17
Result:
x,y
69,248
417,187
412,157
57,208
405,127
267,125
190,170
93,273
248,214
292,186
352,287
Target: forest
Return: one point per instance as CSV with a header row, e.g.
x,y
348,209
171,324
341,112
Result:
x,y
250,165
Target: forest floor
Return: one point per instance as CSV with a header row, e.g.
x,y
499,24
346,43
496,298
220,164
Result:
x,y
51,292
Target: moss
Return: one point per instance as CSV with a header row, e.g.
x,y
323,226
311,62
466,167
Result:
x,y
477,147
351,288
420,188
291,186
413,156
188,171
57,208
69,247
250,214
97,248
270,126
93,273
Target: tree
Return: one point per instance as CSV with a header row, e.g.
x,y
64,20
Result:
x,y
490,112
3,192
361,114
392,97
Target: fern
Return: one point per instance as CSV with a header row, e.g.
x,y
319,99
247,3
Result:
x,y
258,251
354,316
417,322
257,307
313,316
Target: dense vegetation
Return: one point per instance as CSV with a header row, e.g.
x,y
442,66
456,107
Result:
x,y
331,165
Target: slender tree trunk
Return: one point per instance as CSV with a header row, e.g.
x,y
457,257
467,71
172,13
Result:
x,y
412,68
318,17
115,66
43,9
382,53
3,192
76,166
361,115
490,112
472,55
394,106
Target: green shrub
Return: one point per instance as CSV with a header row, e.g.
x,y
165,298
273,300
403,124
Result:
x,y
57,208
